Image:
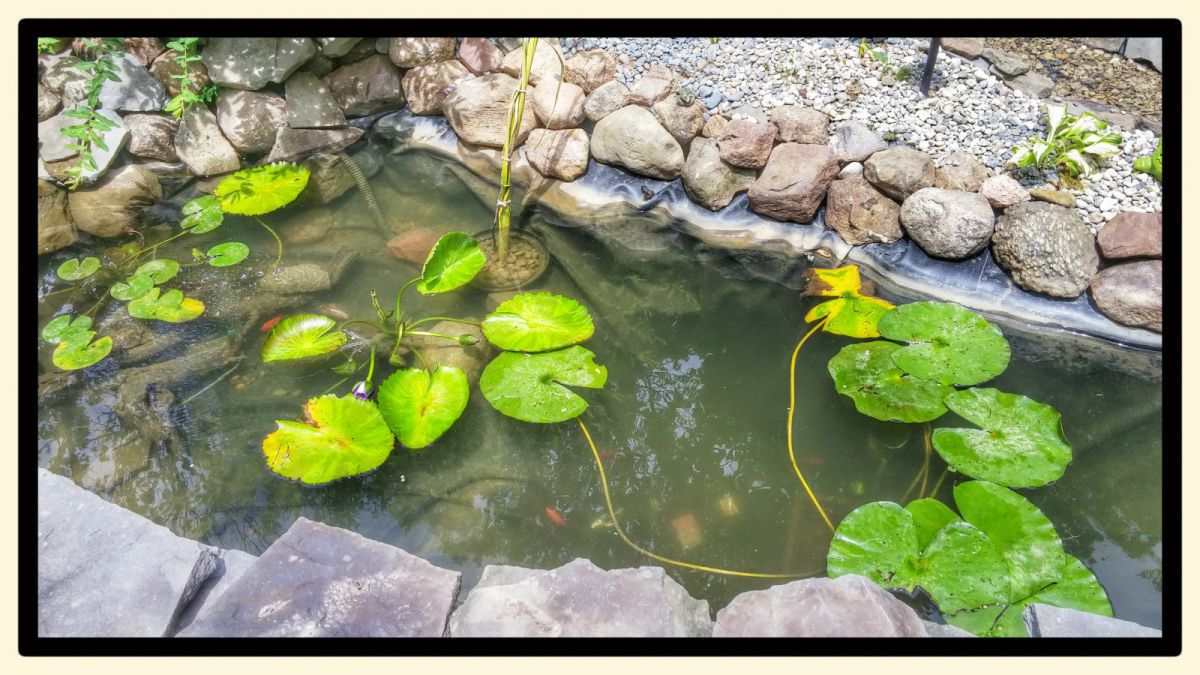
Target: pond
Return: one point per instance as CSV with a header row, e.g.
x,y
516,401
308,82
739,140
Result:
x,y
691,424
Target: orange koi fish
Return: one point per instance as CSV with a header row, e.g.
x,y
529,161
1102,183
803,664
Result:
x,y
270,323
555,517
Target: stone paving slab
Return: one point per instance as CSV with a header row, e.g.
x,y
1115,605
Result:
x,y
323,581
1050,621
231,565
104,571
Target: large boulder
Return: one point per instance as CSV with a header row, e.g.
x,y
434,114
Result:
x,y
1047,249
1131,293
252,63
425,86
55,229
59,157
747,144
794,181
1132,235
48,103
152,135
849,606
547,62
411,52
310,105
855,142
632,138
366,87
961,171
293,144
579,600
480,56
561,154
249,119
200,144
657,83
558,105
166,69
478,110
949,224
861,214
135,89
797,124
605,100
900,171
710,180
590,69
114,205
683,122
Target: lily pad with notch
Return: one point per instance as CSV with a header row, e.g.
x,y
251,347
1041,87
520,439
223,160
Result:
x,y
132,288
866,373
78,351
340,437
303,336
227,254
453,262
533,387
261,189
420,406
171,306
538,322
60,327
202,214
948,343
852,312
159,270
78,270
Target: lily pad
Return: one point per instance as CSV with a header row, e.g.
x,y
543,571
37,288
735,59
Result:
x,y
538,322
948,343
454,261
171,306
929,516
852,313
159,271
302,336
261,189
1020,444
73,355
341,437
76,270
866,373
420,406
202,214
63,325
132,288
229,253
533,387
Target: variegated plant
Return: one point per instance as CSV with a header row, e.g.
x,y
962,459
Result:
x,y
1074,146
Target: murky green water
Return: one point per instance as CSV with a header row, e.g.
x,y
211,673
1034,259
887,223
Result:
x,y
692,424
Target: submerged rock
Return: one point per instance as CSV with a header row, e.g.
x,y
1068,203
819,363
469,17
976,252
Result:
x,y
414,245
710,180
861,214
441,352
632,138
794,182
114,205
478,110
948,224
1047,249
299,278
849,606
1131,293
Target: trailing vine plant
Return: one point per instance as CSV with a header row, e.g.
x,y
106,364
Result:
x,y
92,125
190,91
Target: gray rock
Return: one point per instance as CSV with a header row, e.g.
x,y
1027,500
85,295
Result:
x,y
366,87
632,138
1131,293
1047,249
798,124
861,214
114,205
851,170
322,581
961,171
1032,84
944,630
310,105
165,69
200,144
855,142
293,144
1003,191
54,144
969,48
478,110
561,154
710,180
63,77
558,105
55,228
1132,235
795,180
339,46
1107,44
107,572
849,606
747,144
605,100
1050,621
249,119
425,87
135,89
252,63
48,103
900,171
948,223
683,122
1007,64
152,135
412,52
1145,49
231,565
579,600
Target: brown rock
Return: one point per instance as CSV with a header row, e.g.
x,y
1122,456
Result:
x,y
114,205
546,62
425,86
590,69
861,214
684,122
152,135
1054,197
1003,191
478,110
559,105
164,69
794,182
480,56
797,124
747,144
55,228
561,154
900,171
145,50
418,51
655,85
715,126
413,246
48,103
961,171
1132,235
971,48
711,181
366,87
1131,294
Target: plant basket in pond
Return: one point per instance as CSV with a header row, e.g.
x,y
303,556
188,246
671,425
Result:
x,y
527,260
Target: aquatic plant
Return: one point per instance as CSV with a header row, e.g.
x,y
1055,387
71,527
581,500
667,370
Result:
x,y
92,125
1152,164
1074,146
190,92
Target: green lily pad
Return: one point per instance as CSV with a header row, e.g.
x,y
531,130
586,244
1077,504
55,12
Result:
x,y
302,336
159,271
63,325
948,343
262,189
229,253
533,387
202,214
866,373
929,516
171,306
454,261
342,437
420,406
75,270
1020,443
538,322
132,288
73,355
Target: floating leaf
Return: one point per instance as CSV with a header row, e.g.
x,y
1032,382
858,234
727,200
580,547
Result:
x,y
186,310
70,355
229,253
419,406
132,288
865,372
202,214
929,516
538,322
948,343
302,336
171,306
159,271
63,325
261,189
852,313
454,261
144,306
342,437
74,270
533,387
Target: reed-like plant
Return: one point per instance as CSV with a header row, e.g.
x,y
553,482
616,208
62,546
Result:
x,y
516,111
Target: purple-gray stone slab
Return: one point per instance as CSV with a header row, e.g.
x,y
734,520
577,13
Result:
x,y
231,565
849,606
1050,621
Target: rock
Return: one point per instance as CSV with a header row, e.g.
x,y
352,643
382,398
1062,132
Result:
x,y
579,600
948,224
54,145
605,100
328,179
1033,84
293,144
307,276
1057,622
48,103
794,182
152,135
546,62
749,112
103,571
590,69
55,229
655,85
134,90
632,138
797,124
143,50
200,144
165,69
366,87
1054,197
1047,249
425,86
307,226
851,170
1003,191
411,52
231,565
849,606
1107,44
961,171
1145,49
969,48
711,181
714,127
683,122
1132,235
66,79
855,142
943,630
747,144
338,46
310,105
414,245
252,63
114,205
900,171
1131,293
478,110
249,119
322,581
861,214
561,154
564,113
480,56
440,352
1007,64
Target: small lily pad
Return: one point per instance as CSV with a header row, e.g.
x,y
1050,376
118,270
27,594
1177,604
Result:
x,y
1020,443
63,325
76,270
420,406
229,253
302,336
852,313
948,343
341,437
453,262
73,355
538,322
202,214
171,306
866,373
533,387
159,271
261,189
132,288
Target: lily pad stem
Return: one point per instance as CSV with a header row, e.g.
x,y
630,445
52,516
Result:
x,y
278,241
372,324
133,258
791,416
435,335
400,300
431,319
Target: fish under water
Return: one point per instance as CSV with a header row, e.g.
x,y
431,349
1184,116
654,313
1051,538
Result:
x,y
555,517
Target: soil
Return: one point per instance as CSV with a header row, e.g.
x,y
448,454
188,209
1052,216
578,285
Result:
x,y
525,263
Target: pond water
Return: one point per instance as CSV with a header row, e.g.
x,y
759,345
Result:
x,y
691,423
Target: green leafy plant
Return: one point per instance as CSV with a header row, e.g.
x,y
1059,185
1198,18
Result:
x,y
92,125
49,45
1074,146
1152,164
190,91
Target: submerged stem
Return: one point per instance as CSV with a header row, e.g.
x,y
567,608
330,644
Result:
x,y
791,416
278,241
